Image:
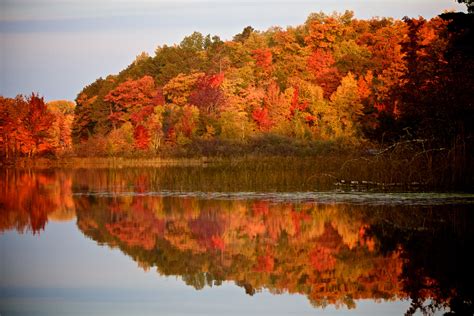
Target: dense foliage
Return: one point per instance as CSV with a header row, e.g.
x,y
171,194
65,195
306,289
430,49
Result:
x,y
29,127
334,78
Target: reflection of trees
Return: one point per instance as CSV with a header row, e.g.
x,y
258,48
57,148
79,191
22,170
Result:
x,y
333,254
436,246
29,199
322,252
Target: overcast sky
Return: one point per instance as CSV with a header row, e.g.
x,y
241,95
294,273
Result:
x,y
55,47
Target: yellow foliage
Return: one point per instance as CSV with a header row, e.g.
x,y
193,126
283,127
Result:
x,y
178,89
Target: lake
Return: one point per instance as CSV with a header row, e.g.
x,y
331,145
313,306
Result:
x,y
229,240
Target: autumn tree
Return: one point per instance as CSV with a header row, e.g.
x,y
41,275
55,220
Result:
x,y
132,99
289,55
91,115
207,95
241,37
178,90
333,77
26,124
61,129
324,31
347,108
8,124
121,140
264,62
322,65
142,137
187,125
276,103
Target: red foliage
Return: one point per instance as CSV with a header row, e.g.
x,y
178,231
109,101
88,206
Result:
x,y
296,105
321,64
187,123
216,80
380,107
142,137
27,200
208,95
117,118
130,97
363,86
25,126
311,119
217,243
142,114
261,117
160,98
133,93
263,58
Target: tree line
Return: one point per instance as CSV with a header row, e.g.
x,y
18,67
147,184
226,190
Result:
x,y
30,127
334,78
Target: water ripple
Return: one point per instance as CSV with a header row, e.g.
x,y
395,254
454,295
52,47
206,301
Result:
x,y
329,197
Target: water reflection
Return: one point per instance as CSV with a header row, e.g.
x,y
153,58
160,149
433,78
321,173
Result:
x,y
29,199
334,254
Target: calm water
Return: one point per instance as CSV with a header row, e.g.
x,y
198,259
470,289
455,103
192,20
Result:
x,y
228,241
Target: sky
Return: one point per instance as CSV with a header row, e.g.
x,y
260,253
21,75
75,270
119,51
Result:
x,y
80,277
56,47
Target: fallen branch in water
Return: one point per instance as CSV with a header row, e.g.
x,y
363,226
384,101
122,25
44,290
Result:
x,y
395,145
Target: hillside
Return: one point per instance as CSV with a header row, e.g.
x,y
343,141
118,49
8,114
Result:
x,y
334,82
332,78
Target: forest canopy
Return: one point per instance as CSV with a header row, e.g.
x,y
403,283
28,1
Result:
x,y
333,79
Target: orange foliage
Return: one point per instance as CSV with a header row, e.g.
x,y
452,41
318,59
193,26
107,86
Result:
x,y
27,201
258,83
322,65
128,99
326,252
25,126
244,241
261,117
322,259
142,137
265,263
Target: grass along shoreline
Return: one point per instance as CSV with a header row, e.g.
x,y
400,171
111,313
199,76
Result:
x,y
350,169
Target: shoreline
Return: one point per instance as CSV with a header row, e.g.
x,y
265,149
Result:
x,y
348,169
147,162
103,162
